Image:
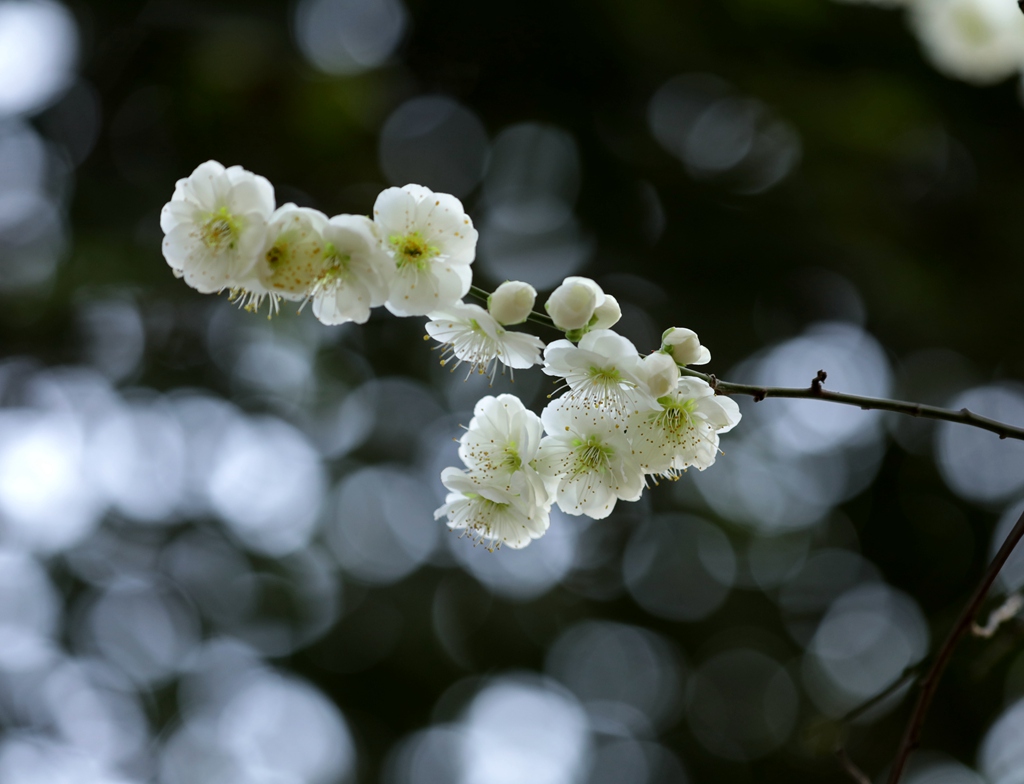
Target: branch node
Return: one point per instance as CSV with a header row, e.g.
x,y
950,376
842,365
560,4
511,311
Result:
x,y
816,382
762,393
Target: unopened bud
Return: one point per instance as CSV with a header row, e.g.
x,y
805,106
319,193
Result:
x,y
661,373
684,346
512,302
607,314
572,304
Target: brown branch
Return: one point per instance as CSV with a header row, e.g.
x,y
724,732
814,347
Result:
x,y
850,767
816,392
930,682
908,676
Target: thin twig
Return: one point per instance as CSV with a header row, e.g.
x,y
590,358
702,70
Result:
x,y
479,293
851,767
908,675
930,682
817,392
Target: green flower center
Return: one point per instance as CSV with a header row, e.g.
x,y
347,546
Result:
x,y
608,375
487,508
220,230
412,250
510,459
335,263
592,455
676,416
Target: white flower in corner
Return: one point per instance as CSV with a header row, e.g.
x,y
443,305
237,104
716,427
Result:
x,y
355,274
603,371
491,512
470,334
431,242
685,432
214,225
587,460
502,441
980,41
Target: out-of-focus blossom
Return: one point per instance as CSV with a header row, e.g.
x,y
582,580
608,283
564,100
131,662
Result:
x,y
980,41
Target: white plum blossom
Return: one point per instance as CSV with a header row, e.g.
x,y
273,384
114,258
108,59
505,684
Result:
x,y
685,431
215,224
980,41
490,511
431,242
471,335
502,440
292,255
621,420
603,371
587,460
512,302
355,275
660,372
572,305
684,346
607,314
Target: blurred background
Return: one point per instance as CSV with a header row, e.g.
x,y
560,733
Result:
x,y
218,560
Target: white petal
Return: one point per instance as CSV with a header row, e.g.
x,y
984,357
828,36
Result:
x,y
394,212
348,302
202,185
176,212
178,245
520,350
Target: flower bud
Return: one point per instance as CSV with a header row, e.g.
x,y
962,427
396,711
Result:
x,y
684,346
607,314
572,304
512,302
661,373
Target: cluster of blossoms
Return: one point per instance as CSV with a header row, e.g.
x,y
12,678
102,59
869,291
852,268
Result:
x,y
622,420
